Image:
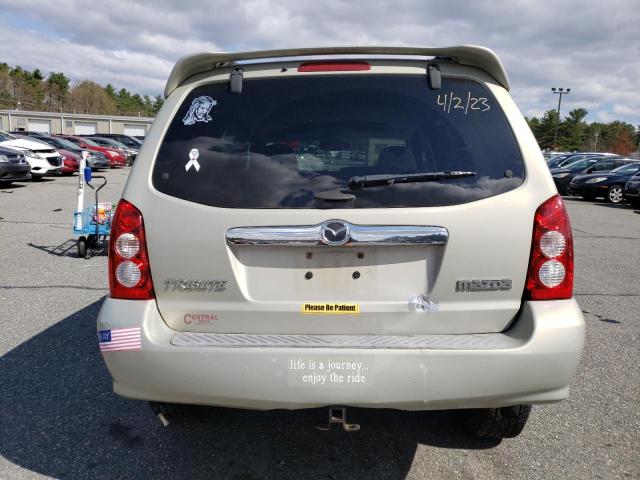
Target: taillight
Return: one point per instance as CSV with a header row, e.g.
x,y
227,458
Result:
x,y
334,67
550,275
129,274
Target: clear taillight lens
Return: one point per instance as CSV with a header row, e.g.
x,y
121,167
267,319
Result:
x,y
128,274
552,244
127,245
551,273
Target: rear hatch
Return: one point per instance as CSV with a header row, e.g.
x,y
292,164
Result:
x,y
243,185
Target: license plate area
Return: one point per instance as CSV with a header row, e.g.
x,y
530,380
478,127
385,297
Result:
x,y
331,273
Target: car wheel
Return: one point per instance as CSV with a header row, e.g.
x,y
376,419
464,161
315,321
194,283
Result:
x,y
614,194
496,423
4,184
82,247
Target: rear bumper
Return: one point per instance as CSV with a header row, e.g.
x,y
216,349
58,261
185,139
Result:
x,y
532,362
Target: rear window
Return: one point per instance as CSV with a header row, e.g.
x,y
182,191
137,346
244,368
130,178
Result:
x,y
297,142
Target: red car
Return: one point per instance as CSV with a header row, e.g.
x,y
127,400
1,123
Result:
x,y
116,157
70,162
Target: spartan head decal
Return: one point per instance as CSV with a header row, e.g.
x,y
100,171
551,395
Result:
x,y
199,110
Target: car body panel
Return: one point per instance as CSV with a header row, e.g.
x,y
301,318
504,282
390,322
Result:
x,y
246,270
195,64
265,290
532,362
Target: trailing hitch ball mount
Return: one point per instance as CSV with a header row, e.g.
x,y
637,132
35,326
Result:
x,y
338,415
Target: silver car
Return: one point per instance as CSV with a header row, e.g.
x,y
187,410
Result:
x,y
371,227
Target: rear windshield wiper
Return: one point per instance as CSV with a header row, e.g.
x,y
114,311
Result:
x,y
357,183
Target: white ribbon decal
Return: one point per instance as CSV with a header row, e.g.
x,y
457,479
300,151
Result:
x,y
193,156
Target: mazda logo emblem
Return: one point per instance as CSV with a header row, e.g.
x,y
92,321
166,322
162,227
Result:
x,y
335,233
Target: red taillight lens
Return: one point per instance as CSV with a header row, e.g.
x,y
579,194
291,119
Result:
x,y
550,275
129,274
334,67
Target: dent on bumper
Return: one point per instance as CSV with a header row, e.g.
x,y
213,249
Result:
x,y
538,358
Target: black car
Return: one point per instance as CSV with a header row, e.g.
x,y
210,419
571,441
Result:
x,y
562,160
13,166
127,140
590,164
608,185
631,190
95,160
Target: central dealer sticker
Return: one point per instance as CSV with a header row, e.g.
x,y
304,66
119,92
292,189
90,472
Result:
x,y
329,308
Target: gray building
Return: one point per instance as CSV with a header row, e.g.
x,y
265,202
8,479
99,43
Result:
x,y
73,123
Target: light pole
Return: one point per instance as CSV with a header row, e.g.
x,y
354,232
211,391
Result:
x,y
560,92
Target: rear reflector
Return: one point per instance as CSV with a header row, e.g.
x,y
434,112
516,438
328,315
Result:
x,y
129,273
334,67
550,275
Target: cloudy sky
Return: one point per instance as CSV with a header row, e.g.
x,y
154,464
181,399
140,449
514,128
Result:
x,y
592,47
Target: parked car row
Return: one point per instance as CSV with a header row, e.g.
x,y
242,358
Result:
x,y
596,175
32,155
119,149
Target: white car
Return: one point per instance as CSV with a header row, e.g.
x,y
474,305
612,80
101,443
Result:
x,y
355,231
43,159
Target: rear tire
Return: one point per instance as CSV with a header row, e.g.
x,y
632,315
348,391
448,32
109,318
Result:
x,y
614,194
4,184
496,423
82,247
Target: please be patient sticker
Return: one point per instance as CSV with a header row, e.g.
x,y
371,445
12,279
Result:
x,y
329,308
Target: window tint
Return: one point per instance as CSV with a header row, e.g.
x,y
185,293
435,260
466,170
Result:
x,y
627,169
604,165
282,142
579,165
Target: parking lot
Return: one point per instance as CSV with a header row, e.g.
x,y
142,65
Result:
x,y
60,419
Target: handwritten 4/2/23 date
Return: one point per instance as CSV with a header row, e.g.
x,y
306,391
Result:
x,y
466,103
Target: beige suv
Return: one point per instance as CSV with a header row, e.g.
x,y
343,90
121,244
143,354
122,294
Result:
x,y
371,227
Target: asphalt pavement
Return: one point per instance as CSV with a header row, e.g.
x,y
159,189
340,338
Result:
x,y
60,419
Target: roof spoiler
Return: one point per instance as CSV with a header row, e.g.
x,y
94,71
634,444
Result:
x,y
479,57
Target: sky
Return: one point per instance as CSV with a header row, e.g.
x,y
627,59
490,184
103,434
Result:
x,y
591,47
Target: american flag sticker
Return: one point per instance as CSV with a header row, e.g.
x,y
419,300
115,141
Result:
x,y
119,339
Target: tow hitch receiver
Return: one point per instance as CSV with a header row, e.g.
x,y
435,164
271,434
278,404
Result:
x,y
338,415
